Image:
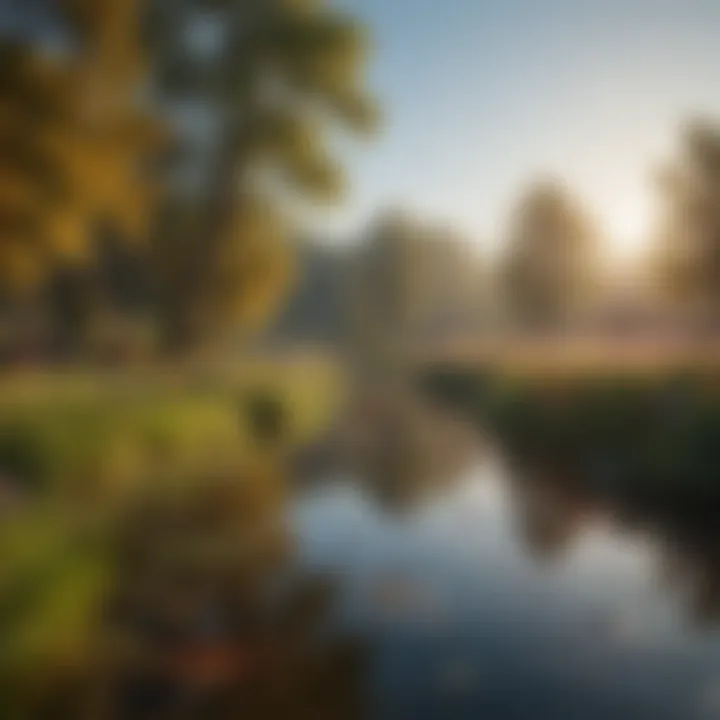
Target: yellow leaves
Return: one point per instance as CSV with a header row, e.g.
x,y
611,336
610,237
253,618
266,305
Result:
x,y
16,191
110,176
110,33
22,267
288,70
104,181
132,218
138,133
72,144
67,234
255,266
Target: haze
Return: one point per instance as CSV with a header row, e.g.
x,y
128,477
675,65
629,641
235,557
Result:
x,y
481,96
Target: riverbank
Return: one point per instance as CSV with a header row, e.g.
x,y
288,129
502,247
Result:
x,y
627,429
113,487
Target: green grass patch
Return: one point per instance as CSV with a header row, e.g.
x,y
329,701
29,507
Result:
x,y
79,433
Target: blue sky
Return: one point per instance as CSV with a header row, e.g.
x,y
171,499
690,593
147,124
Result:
x,y
482,96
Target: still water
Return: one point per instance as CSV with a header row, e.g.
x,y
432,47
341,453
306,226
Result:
x,y
502,594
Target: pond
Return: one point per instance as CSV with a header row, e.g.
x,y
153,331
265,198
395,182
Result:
x,y
510,593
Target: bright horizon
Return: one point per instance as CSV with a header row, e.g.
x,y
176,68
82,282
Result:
x,y
481,97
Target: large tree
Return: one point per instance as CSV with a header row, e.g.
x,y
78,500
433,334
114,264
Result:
x,y
549,265
264,81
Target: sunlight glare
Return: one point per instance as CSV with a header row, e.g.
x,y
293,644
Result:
x,y
628,230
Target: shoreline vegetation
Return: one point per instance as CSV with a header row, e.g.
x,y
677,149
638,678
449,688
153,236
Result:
x,y
189,468
633,430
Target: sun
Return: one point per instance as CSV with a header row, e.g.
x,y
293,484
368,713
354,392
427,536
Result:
x,y
628,229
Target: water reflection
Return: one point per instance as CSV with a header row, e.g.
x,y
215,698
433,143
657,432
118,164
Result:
x,y
553,507
421,575
402,449
549,512
513,589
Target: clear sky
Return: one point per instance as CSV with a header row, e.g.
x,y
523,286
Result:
x,y
482,96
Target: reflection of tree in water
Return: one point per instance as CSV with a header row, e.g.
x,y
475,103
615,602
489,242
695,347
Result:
x,y
552,507
691,562
549,510
405,451
207,619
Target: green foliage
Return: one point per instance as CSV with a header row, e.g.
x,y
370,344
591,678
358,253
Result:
x,y
87,437
658,435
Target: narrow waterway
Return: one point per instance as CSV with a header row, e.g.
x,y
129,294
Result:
x,y
499,595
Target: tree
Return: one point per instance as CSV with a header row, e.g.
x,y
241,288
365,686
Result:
x,y
415,285
74,143
687,261
80,132
274,76
548,268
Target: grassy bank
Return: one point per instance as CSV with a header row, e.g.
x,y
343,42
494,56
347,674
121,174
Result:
x,y
65,432
184,464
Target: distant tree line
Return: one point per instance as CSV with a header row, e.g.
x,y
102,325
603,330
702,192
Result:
x,y
406,281
551,268
153,152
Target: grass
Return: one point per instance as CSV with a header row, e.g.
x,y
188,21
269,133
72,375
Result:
x,y
82,433
87,452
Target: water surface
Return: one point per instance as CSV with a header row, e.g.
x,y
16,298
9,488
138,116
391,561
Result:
x,y
501,596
